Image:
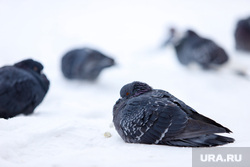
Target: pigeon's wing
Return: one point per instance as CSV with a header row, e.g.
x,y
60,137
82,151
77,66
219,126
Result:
x,y
17,96
201,51
149,121
191,112
205,51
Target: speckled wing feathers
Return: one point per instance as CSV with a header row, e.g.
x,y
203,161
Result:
x,y
208,52
148,120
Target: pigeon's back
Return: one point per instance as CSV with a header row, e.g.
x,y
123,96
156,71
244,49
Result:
x,y
195,49
185,49
207,53
84,64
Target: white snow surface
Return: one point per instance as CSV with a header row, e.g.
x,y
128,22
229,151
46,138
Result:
x,y
67,128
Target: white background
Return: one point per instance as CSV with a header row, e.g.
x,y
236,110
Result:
x,y
68,128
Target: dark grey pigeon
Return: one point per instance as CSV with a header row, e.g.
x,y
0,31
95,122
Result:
x,y
22,88
242,35
154,116
191,48
84,64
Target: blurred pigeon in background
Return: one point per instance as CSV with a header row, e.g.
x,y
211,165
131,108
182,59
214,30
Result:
x,y
22,88
242,35
191,48
153,116
84,64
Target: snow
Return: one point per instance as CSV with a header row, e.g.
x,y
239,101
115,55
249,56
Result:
x,y
68,128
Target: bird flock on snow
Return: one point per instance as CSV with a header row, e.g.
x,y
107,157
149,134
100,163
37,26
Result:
x,y
142,114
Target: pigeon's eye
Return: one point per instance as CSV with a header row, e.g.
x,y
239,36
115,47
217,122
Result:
x,y
35,68
127,93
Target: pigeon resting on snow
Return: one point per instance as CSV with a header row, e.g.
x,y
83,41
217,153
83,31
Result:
x,y
153,116
84,64
191,48
22,88
242,35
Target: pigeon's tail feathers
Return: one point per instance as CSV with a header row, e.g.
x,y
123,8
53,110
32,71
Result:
x,y
196,128
202,141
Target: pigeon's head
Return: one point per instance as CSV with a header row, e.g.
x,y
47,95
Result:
x,y
129,90
30,64
175,37
134,89
171,37
187,35
35,68
245,23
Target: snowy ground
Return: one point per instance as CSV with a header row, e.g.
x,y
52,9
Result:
x,y
68,128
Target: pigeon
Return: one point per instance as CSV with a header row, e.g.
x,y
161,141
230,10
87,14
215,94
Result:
x,y
153,116
242,35
23,87
191,48
84,64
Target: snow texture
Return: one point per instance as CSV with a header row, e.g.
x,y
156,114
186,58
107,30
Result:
x,y
68,128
